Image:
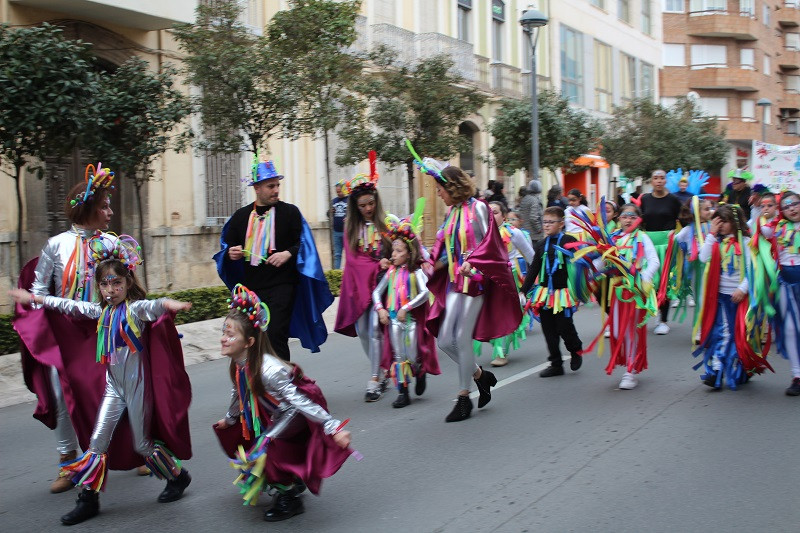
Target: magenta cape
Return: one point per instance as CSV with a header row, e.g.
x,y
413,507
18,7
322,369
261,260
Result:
x,y
310,455
426,344
49,338
359,279
501,313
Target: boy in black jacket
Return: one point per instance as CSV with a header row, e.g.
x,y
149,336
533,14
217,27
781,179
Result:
x,y
553,299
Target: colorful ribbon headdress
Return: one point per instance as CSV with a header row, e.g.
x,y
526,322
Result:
x,y
96,178
408,228
363,182
429,165
250,305
121,247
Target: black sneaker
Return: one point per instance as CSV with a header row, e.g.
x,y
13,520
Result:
x,y
794,388
373,395
575,362
285,506
88,506
551,371
174,489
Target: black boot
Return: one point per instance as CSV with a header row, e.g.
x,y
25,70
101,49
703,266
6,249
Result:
x,y
88,506
287,505
174,489
419,386
402,399
484,383
461,411
575,362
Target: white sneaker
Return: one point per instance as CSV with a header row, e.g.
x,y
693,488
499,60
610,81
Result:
x,y
690,300
675,303
628,382
607,332
661,329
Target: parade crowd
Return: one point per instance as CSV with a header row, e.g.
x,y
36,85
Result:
x,y
94,348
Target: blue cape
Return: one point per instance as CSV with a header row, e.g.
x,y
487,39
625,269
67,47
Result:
x,y
313,295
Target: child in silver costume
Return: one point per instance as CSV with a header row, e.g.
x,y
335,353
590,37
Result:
x,y
121,316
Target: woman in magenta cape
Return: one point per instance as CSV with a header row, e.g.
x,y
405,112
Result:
x,y
366,253
475,295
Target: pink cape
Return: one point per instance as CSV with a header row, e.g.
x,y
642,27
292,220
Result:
x,y
426,344
310,455
49,338
359,279
501,313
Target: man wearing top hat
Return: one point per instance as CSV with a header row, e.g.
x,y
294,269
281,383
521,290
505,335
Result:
x,y
266,234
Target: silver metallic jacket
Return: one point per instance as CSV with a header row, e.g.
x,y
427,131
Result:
x,y
53,259
277,380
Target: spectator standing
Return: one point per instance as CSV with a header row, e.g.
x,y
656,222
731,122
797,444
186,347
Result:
x,y
338,212
530,210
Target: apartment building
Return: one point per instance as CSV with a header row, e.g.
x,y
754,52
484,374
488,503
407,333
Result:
x,y
728,55
604,54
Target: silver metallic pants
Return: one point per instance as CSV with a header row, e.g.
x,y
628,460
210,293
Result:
x,y
369,331
403,336
125,389
66,439
455,333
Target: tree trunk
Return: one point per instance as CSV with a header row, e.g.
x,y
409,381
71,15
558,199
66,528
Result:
x,y
410,172
138,187
328,183
17,177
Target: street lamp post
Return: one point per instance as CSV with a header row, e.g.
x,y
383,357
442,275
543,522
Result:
x,y
764,104
531,21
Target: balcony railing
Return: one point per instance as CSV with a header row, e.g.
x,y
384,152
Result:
x,y
506,80
461,52
721,23
723,77
396,38
140,14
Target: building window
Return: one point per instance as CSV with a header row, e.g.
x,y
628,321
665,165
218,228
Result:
x,y
715,107
624,10
747,8
793,41
766,14
673,6
648,81
748,109
647,24
747,59
223,186
599,3
767,68
708,7
572,65
464,11
674,55
708,56
792,84
498,18
602,79
627,77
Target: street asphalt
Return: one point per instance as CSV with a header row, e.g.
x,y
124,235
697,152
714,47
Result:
x,y
570,453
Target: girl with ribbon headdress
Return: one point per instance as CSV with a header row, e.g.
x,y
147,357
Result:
x,y
730,335
784,231
366,259
63,269
277,412
474,294
410,350
122,346
630,261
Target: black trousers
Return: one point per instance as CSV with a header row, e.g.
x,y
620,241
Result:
x,y
280,300
557,326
